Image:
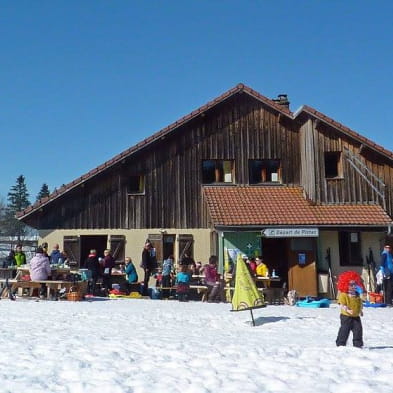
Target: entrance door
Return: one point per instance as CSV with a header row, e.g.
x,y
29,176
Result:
x,y
302,273
274,253
97,242
169,246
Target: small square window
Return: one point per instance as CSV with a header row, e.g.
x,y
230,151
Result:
x,y
333,167
264,171
217,171
136,184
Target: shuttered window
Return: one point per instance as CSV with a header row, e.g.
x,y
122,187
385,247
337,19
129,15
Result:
x,y
118,247
71,245
350,249
186,244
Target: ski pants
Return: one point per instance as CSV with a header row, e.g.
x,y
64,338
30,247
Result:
x,y
387,289
349,324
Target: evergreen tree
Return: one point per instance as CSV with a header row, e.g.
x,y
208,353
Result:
x,y
44,192
3,210
18,199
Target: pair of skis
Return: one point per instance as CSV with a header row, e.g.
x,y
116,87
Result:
x,y
331,281
7,287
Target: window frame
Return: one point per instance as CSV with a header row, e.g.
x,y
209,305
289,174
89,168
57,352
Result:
x,y
348,255
141,189
218,173
264,166
328,157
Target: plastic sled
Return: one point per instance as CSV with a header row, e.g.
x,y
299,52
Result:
x,y
313,303
368,304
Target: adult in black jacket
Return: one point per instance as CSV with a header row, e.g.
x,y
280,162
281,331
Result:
x,y
94,268
149,264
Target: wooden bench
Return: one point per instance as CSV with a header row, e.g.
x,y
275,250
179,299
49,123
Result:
x,y
200,288
55,285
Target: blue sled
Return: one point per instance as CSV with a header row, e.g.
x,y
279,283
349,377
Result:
x,y
313,303
368,304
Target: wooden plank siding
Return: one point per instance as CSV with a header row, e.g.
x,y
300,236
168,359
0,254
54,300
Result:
x,y
240,128
315,140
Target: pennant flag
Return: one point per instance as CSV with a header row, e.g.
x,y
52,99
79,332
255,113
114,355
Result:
x,y
246,295
226,260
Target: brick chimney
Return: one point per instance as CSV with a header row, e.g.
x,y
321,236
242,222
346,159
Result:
x,y
282,99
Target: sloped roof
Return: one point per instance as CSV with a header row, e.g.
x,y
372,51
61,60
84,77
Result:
x,y
270,205
240,88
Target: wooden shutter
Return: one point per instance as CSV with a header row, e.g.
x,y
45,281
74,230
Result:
x,y
71,245
118,247
157,242
186,244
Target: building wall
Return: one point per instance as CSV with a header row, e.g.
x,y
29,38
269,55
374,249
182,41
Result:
x,y
135,240
329,239
239,129
357,164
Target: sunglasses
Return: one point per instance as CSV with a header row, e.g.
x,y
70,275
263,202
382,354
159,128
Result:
x,y
352,284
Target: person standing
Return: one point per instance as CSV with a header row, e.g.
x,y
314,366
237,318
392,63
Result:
x,y
92,264
387,272
40,269
167,270
55,255
20,256
108,265
351,307
148,266
183,283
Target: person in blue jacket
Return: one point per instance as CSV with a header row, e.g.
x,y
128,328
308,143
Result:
x,y
387,271
132,275
183,283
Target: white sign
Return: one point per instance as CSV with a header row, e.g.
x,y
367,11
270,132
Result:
x,y
291,232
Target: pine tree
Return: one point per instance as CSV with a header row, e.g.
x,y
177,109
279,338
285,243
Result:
x,y
18,199
3,210
44,192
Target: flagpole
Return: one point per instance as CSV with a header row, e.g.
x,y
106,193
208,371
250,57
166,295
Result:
x,y
252,316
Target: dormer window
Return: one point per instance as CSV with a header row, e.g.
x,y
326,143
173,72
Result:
x,y
217,171
264,171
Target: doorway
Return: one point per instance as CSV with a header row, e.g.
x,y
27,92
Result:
x,y
302,266
274,254
169,245
97,242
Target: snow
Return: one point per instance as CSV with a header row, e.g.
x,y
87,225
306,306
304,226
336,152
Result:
x,y
139,345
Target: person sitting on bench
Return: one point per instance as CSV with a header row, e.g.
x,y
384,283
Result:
x,y
40,269
215,286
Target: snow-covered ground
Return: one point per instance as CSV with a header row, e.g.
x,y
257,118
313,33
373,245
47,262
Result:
x,y
138,345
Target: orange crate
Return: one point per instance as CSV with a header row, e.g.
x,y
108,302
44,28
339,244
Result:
x,y
375,297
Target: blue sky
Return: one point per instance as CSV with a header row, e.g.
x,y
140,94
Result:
x,y
81,81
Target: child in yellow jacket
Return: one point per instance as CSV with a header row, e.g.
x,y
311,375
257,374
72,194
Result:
x,y
351,306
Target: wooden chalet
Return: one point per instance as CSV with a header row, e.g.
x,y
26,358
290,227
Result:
x,y
244,173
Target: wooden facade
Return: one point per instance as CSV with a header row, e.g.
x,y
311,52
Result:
x,y
239,128
156,188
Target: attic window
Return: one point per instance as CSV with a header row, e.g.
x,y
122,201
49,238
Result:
x,y
136,184
264,171
217,171
333,167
